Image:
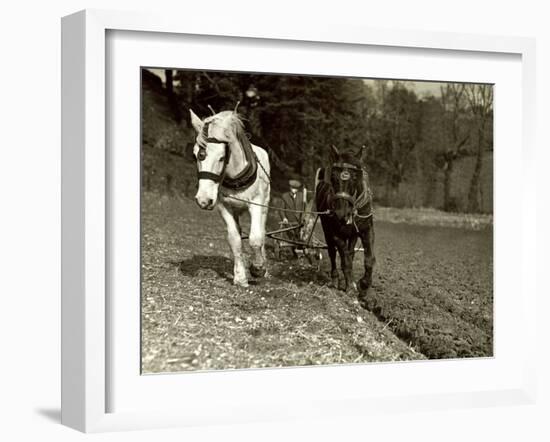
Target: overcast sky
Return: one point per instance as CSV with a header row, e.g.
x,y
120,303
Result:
x,y
421,88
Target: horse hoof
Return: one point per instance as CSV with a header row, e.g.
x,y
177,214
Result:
x,y
258,272
363,296
350,288
240,283
364,285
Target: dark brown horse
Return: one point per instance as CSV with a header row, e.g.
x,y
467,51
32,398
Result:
x,y
343,190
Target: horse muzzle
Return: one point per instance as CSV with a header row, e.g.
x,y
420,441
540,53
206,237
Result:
x,y
207,194
205,203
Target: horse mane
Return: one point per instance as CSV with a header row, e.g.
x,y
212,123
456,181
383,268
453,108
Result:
x,y
232,121
235,121
240,133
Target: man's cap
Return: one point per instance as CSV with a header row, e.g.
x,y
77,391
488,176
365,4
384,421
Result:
x,y
294,183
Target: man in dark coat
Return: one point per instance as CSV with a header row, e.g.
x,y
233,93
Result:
x,y
294,199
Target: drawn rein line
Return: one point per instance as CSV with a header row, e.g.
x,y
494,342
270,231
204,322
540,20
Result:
x,y
311,212
326,212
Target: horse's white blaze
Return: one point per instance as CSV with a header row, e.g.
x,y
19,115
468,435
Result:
x,y
208,190
224,127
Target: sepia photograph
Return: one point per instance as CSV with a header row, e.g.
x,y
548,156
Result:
x,y
298,220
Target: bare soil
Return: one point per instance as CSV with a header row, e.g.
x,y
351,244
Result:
x,y
435,285
432,298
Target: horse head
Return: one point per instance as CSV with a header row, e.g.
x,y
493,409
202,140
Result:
x,y
346,180
215,136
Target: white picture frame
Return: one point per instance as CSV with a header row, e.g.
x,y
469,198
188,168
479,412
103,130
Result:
x,y
86,206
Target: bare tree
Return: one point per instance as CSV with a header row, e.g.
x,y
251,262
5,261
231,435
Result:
x,y
480,101
457,130
396,131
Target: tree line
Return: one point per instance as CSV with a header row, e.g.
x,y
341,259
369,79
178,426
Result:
x,y
409,138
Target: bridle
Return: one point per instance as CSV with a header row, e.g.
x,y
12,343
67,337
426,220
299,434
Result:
x,y
345,176
243,179
357,202
201,156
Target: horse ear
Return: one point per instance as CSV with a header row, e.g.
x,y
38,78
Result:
x,y
334,153
196,121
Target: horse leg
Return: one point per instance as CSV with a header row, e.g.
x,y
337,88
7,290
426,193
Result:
x,y
331,249
340,246
236,217
351,254
346,263
258,217
367,238
234,239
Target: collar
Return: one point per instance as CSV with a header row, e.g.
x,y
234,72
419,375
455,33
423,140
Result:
x,y
247,176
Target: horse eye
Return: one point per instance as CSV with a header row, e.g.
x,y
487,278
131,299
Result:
x,y
222,159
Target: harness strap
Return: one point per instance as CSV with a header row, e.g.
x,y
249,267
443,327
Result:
x,y
245,178
249,174
364,200
214,140
345,196
204,175
346,166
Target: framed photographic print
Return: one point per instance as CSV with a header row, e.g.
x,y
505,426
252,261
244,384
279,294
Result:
x,y
249,216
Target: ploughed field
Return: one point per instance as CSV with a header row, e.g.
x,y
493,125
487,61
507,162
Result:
x,y
431,298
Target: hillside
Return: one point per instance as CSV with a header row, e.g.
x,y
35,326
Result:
x,y
167,165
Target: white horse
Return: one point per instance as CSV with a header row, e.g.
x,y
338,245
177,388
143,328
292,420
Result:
x,y
233,178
